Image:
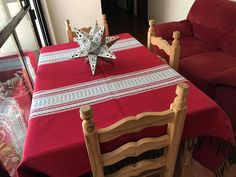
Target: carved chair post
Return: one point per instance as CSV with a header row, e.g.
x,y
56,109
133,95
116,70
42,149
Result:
x,y
69,31
175,51
151,32
186,160
179,107
91,139
105,24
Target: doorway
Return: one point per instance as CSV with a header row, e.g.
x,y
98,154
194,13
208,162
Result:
x,y
127,16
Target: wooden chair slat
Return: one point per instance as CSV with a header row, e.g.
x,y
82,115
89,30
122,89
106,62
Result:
x,y
135,149
136,169
134,124
161,43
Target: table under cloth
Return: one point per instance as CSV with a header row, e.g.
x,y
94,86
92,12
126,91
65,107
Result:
x,y
137,81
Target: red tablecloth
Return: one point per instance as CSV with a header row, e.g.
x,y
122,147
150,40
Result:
x,y
54,145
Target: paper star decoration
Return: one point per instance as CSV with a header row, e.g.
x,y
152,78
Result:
x,y
94,45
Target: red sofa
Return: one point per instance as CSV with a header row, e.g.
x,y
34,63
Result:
x,y
208,50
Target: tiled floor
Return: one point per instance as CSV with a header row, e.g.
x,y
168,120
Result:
x,y
231,172
199,171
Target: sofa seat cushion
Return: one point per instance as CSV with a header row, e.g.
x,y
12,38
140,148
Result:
x,y
226,78
189,46
201,69
229,45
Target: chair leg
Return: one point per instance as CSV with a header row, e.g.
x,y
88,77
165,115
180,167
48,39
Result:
x,y
186,163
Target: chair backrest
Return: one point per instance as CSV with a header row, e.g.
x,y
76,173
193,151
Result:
x,y
71,34
173,50
174,118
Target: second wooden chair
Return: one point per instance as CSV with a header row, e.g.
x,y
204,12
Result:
x,y
173,50
71,34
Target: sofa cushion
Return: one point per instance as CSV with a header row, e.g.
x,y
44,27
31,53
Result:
x,y
210,36
218,14
189,46
229,45
165,30
202,68
212,20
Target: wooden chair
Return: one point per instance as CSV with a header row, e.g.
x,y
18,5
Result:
x,y
71,34
174,118
172,50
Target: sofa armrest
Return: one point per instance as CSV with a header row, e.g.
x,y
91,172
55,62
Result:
x,y
165,30
226,78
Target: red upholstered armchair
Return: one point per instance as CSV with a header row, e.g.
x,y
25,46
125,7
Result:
x,y
208,50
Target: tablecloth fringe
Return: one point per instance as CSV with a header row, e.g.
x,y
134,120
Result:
x,y
224,166
220,146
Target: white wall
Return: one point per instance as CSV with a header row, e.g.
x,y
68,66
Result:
x,y
81,13
168,10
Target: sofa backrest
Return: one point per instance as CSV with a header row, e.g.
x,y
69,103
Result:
x,y
212,20
229,46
